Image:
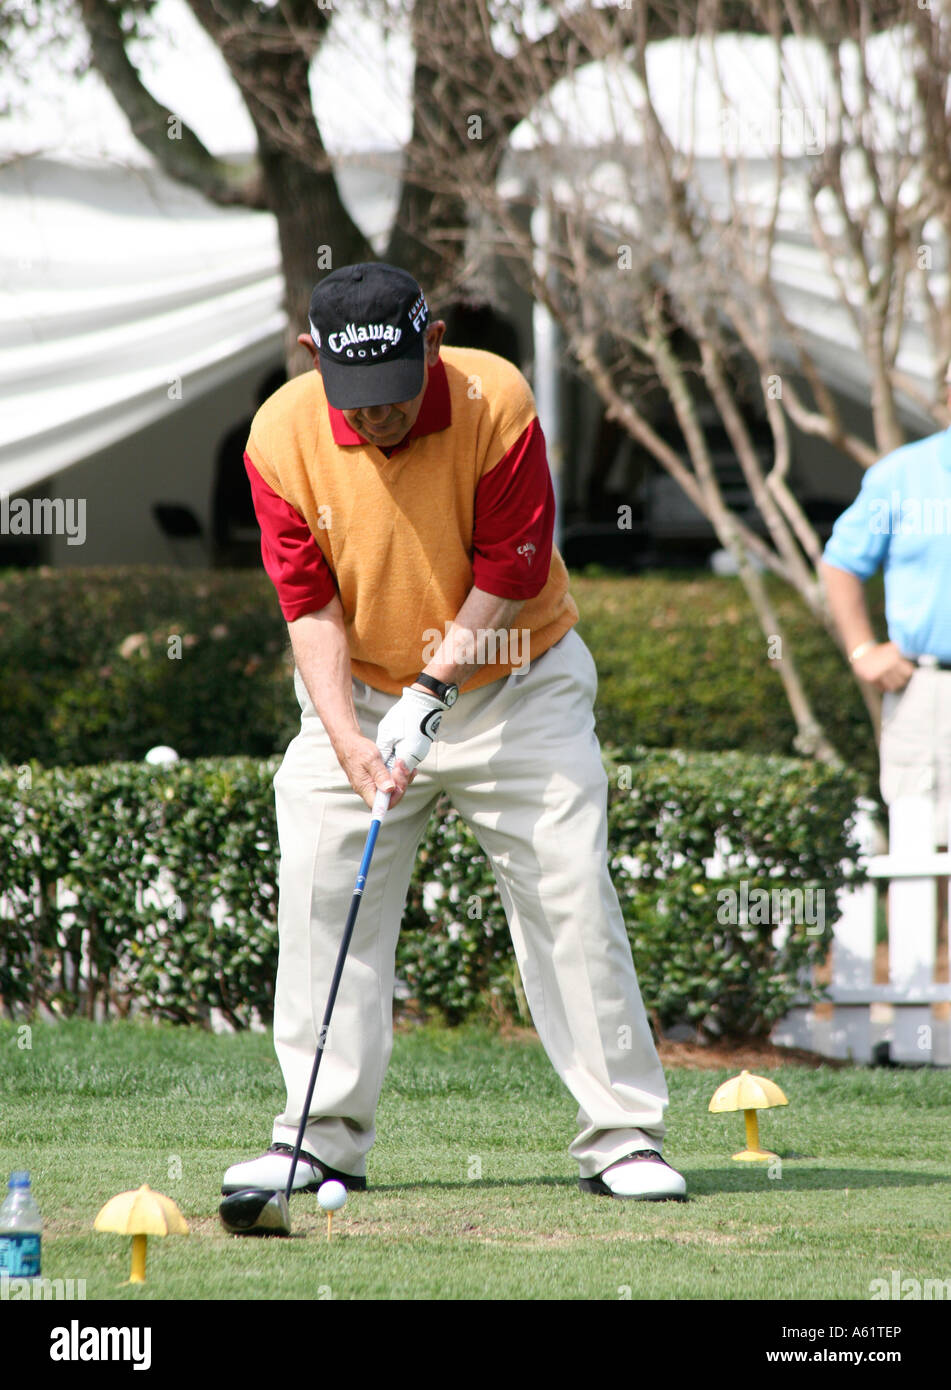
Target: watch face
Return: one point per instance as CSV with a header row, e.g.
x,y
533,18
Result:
x,y
451,695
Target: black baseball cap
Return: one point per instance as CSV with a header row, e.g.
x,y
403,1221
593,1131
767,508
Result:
x,y
369,323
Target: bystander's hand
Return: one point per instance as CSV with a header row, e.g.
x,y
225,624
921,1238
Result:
x,y
884,667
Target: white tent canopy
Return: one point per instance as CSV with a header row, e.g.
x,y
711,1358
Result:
x,y
124,295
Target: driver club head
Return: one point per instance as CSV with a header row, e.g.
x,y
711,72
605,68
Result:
x,y
264,1212
255,1213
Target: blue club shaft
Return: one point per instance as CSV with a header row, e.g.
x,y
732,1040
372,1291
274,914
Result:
x,y
379,811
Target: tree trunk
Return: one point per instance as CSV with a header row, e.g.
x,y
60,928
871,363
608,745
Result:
x,y
456,143
315,230
316,235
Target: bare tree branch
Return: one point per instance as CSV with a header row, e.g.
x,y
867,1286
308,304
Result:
x,y
174,146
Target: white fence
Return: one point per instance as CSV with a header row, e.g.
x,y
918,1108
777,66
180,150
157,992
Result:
x,y
912,1010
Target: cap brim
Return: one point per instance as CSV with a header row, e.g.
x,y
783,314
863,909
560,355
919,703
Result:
x,y
350,386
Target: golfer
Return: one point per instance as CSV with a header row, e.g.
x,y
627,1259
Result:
x,y
406,514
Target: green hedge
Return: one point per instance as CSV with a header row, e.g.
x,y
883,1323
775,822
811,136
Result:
x,y
682,663
86,677
105,834
101,665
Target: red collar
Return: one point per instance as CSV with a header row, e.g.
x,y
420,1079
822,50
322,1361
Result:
x,y
435,413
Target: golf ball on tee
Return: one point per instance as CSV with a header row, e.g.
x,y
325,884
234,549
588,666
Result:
x,y
331,1195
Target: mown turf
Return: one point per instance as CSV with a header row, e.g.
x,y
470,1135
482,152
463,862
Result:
x,y
473,1194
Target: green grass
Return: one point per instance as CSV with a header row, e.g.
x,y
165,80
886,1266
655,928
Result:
x,y
864,1188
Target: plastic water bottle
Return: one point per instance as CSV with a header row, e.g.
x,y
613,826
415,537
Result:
x,y
21,1229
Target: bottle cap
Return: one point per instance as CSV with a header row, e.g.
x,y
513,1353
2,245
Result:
x,y
19,1179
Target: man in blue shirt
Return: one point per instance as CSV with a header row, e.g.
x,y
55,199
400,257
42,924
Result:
x,y
901,523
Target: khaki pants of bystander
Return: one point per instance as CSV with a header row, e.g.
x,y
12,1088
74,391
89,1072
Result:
x,y
915,745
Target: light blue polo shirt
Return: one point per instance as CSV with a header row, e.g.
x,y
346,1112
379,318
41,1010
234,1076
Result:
x,y
901,522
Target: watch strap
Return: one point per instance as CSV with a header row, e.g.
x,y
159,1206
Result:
x,y
439,688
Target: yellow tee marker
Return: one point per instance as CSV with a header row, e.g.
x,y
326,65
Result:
x,y
748,1093
141,1214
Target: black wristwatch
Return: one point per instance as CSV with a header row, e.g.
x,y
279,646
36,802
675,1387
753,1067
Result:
x,y
449,694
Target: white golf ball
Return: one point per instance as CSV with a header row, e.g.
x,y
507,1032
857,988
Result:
x,y
161,756
331,1195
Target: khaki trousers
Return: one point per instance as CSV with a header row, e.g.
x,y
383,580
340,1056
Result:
x,y
520,761
915,745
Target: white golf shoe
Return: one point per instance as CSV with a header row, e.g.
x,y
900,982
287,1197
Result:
x,y
270,1172
639,1176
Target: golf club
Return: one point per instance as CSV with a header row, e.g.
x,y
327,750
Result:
x,y
257,1212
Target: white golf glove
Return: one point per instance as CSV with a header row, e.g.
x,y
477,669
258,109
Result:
x,y
407,730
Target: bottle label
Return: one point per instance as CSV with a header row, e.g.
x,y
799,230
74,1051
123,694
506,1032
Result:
x,y
20,1254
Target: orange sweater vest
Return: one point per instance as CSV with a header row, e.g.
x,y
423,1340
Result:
x,y
397,532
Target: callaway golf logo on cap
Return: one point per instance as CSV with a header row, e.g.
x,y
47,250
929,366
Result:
x,y
369,324
346,342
